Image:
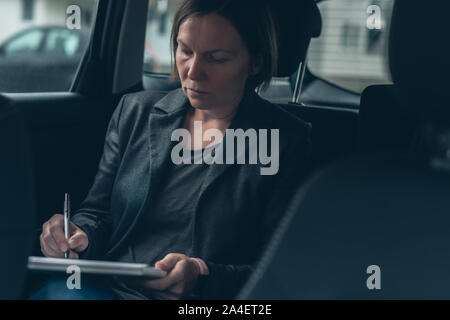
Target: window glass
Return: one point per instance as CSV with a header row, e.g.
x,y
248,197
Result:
x,y
157,54
63,43
42,43
25,43
352,49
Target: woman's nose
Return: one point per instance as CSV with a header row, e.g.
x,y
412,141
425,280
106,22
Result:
x,y
196,71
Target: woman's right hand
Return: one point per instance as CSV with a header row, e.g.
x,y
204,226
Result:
x,y
53,242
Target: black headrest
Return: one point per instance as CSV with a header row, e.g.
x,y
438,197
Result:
x,y
419,53
296,22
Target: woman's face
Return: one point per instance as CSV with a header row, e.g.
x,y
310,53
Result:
x,y
213,62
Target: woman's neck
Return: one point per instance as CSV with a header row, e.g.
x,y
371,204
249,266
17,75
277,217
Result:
x,y
212,115
210,119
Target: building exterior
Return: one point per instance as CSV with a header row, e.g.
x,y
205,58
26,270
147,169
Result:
x,y
353,43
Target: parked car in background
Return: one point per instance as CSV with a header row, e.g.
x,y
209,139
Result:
x,y
47,55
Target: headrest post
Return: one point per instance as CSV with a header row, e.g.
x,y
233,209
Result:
x,y
299,81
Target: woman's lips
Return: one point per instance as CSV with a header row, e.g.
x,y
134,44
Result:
x,y
197,92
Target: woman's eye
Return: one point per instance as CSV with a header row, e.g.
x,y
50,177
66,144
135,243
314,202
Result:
x,y
217,59
184,52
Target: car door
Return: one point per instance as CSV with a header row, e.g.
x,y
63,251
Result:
x,y
67,125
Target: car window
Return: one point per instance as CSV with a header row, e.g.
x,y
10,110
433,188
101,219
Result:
x,y
157,54
63,43
42,43
26,43
352,49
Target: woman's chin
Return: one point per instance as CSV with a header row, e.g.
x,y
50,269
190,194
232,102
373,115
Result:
x,y
201,104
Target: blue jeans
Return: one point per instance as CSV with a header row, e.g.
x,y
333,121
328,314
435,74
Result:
x,y
56,289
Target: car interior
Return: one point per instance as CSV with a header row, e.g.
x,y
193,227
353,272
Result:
x,y
378,180
386,205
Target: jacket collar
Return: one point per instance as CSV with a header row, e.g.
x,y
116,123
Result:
x,y
173,102
169,115
248,114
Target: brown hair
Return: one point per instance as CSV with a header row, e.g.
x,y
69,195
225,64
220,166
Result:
x,y
252,20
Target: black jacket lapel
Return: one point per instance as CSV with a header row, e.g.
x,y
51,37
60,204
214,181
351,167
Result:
x,y
242,120
167,115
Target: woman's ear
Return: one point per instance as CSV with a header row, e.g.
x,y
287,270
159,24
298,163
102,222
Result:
x,y
255,65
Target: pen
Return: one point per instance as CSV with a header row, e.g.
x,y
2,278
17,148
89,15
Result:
x,y
66,221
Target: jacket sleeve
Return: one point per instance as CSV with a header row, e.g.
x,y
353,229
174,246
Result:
x,y
94,216
225,281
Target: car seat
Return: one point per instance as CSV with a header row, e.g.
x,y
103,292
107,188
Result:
x,y
17,206
375,225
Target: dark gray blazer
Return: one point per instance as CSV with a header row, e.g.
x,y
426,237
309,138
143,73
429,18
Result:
x,y
238,208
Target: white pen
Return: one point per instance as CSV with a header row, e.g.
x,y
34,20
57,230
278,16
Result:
x,y
67,221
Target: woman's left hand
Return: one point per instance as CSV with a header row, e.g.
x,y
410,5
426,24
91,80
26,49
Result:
x,y
180,280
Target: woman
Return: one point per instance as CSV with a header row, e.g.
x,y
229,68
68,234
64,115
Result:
x,y
205,224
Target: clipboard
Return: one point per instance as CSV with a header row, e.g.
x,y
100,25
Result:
x,y
95,267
